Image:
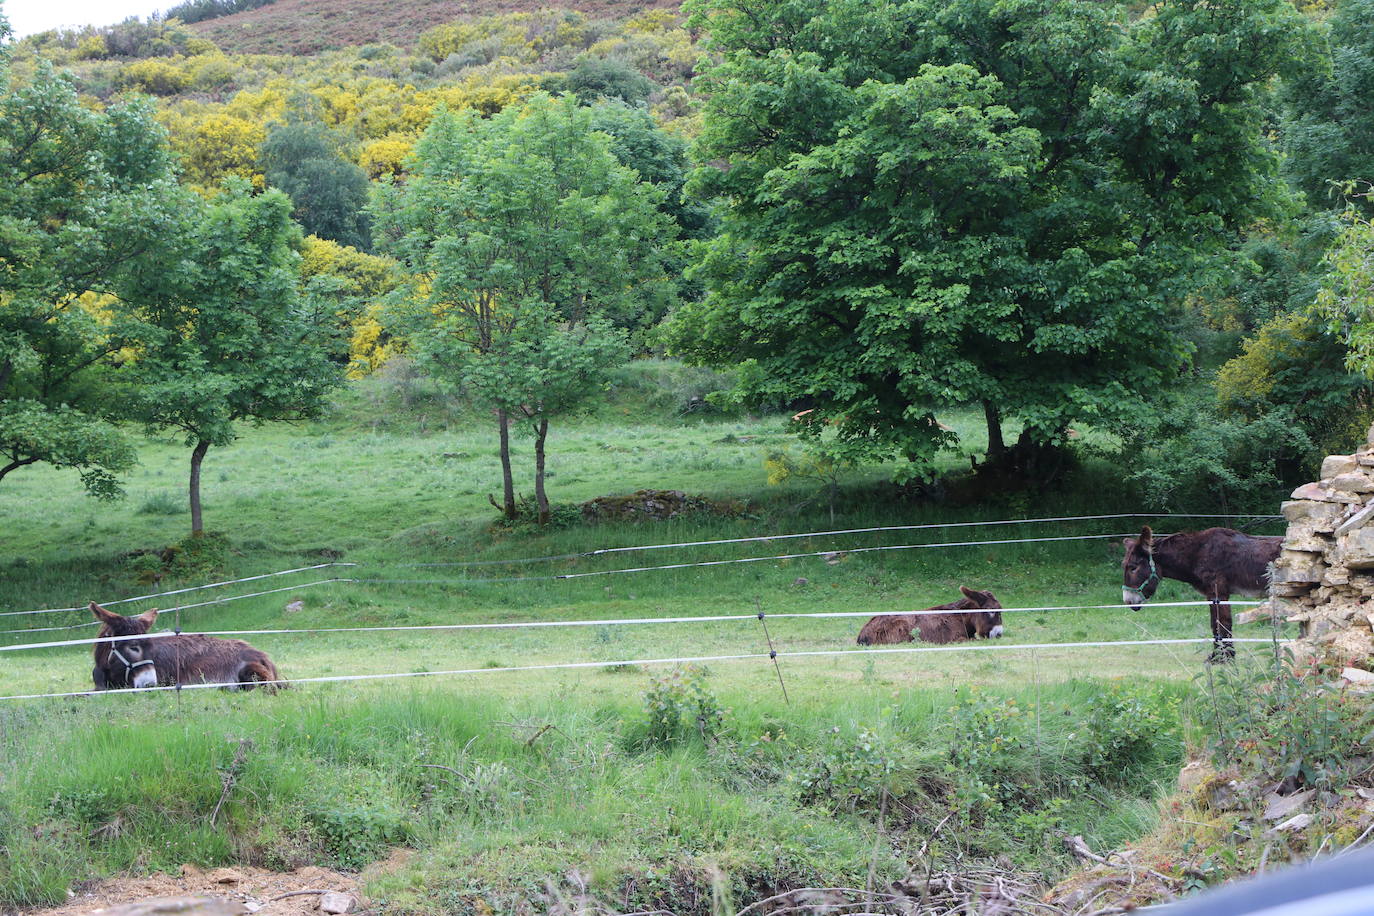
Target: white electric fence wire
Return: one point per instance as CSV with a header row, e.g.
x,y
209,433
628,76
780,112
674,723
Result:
x,y
639,661
183,607
178,591
836,553
616,621
817,534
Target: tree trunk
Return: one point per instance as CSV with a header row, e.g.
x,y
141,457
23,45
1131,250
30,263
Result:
x,y
197,456
507,479
541,433
997,446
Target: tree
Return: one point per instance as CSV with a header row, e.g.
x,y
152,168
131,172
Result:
x,y
526,241
991,201
329,192
223,332
85,199
1329,131
596,78
1346,301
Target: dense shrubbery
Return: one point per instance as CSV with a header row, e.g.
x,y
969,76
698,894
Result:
x,y
200,10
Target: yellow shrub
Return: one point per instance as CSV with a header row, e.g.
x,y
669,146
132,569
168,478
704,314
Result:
x,y
386,156
156,75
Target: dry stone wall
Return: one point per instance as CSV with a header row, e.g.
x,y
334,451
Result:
x,y
1324,578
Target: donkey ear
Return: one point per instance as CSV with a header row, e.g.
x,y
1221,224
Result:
x,y
101,614
148,617
1147,537
968,593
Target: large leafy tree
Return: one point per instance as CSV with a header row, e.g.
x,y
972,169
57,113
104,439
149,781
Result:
x,y
224,334
85,199
1329,131
528,244
931,202
303,158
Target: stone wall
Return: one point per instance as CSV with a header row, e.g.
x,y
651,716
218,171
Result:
x,y
1324,578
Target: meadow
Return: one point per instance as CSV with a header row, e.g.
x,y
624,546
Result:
x,y
664,786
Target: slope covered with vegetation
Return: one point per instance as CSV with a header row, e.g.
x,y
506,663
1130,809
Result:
x,y
933,263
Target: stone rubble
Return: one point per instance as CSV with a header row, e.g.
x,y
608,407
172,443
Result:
x,y
1324,578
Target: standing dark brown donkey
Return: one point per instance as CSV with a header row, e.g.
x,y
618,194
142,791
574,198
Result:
x,y
1218,562
171,660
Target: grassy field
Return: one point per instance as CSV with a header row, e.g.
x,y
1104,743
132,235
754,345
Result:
x,y
779,793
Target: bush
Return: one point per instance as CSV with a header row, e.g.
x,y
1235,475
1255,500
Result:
x,y
680,708
1187,455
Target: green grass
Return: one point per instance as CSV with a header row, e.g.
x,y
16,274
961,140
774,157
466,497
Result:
x,y
127,782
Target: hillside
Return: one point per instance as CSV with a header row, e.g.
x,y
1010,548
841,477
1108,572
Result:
x,y
307,26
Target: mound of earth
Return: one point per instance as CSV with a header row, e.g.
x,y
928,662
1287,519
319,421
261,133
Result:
x,y
258,890
657,504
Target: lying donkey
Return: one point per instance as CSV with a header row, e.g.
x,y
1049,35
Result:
x,y
172,660
976,614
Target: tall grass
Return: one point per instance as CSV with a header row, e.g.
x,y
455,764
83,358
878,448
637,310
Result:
x,y
780,796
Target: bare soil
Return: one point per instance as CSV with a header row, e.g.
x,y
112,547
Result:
x,y
255,887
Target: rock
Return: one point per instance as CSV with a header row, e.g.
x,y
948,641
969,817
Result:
x,y
800,581
1358,676
1194,774
294,606
225,876
1310,511
181,906
1293,824
1357,549
1335,465
1353,645
1358,520
1305,541
1352,483
1277,807
333,902
1311,491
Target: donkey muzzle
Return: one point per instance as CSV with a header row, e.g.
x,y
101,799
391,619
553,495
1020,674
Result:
x,y
1132,597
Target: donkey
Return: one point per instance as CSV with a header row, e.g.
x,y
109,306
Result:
x,y
941,628
1218,562
172,660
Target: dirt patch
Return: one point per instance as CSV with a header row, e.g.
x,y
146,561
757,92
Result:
x,y
254,887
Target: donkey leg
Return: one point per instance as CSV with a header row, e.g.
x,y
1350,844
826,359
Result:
x,y
1228,648
1222,648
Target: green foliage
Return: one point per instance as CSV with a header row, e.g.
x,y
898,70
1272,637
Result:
x,y
851,774
1186,455
929,203
1329,131
358,834
1295,365
71,227
659,158
1272,722
1346,300
189,11
598,78
1127,729
304,159
679,707
530,249
223,334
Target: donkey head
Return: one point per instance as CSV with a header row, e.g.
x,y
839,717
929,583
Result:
x,y
124,662
1140,578
988,624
